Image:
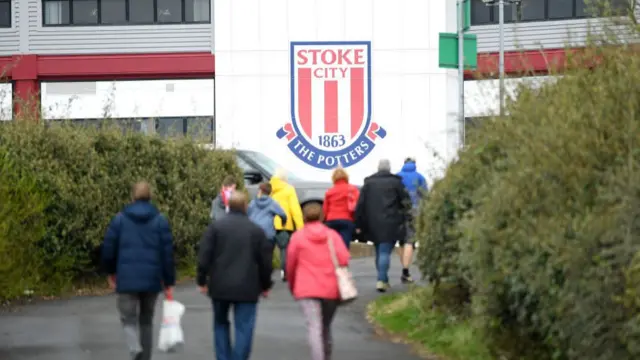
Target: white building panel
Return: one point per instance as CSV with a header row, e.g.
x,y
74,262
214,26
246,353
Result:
x,y
127,99
6,111
409,92
114,39
10,37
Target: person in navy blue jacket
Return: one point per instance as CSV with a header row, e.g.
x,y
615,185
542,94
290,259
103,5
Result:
x,y
137,254
415,184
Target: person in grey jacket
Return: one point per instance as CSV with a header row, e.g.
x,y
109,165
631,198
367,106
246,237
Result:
x,y
263,209
220,204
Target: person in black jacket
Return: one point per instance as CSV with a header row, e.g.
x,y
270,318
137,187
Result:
x,y
234,269
382,213
137,254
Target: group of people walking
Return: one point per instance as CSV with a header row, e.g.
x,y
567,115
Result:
x,y
236,252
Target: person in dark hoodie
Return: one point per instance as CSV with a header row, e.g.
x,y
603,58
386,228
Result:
x,y
137,254
234,269
415,184
220,204
262,211
382,213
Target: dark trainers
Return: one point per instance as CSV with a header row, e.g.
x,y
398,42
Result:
x,y
406,279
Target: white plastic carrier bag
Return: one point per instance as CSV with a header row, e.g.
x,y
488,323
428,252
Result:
x,y
171,335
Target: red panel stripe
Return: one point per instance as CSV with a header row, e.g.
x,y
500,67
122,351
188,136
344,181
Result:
x,y
521,63
195,65
331,106
304,100
357,100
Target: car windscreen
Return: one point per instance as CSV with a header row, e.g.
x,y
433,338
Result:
x,y
268,164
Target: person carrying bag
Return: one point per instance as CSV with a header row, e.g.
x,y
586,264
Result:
x,y
316,266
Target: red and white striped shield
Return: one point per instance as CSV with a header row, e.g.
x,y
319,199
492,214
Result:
x,y
331,103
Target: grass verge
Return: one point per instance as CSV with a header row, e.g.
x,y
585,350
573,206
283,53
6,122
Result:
x,y
412,318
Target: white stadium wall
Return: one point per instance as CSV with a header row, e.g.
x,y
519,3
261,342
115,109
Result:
x,y
127,99
6,112
409,93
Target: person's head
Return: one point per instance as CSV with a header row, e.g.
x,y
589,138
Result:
x,y
409,160
264,189
312,212
141,191
281,174
384,165
238,202
229,182
339,174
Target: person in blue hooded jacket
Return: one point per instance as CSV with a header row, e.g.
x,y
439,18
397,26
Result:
x,y
137,255
263,209
415,184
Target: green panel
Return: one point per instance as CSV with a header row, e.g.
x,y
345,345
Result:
x,y
448,51
467,14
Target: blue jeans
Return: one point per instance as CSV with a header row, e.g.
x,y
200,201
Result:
x,y
244,320
383,260
345,228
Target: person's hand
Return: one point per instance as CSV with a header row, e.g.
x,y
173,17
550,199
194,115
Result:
x,y
358,231
111,279
168,293
203,290
265,294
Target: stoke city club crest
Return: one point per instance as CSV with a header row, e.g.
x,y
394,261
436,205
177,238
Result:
x,y
331,104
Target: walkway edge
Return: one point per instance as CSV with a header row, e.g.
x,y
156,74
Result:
x,y
395,338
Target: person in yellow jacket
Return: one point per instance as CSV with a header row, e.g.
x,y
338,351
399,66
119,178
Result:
x,y
285,195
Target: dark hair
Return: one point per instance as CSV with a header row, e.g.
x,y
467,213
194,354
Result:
x,y
312,212
265,188
229,181
408,160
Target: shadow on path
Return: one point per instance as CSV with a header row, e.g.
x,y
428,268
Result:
x,y
88,327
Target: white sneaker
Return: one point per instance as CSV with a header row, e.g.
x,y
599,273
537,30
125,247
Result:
x,y
282,276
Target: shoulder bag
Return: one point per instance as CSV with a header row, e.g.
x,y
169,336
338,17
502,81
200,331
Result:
x,y
346,284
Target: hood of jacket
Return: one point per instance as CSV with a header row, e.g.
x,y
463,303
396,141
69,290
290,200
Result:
x,y
278,185
409,167
141,211
316,232
263,202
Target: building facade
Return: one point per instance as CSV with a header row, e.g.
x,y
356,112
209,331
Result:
x,y
404,104
79,40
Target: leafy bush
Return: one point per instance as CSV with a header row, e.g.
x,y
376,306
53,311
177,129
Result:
x,y
437,226
22,225
547,234
89,173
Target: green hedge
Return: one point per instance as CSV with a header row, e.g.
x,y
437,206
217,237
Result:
x,y
22,225
88,173
540,217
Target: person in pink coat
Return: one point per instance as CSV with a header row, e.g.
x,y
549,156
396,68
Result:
x,y
312,278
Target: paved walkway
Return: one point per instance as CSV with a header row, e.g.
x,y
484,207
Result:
x,y
88,328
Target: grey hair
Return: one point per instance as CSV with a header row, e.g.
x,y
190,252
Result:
x,y
384,165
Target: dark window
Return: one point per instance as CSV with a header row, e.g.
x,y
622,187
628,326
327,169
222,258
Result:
x,y
200,128
141,12
113,11
5,13
170,127
85,12
480,13
532,10
542,10
57,12
561,9
510,13
169,11
118,12
197,11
